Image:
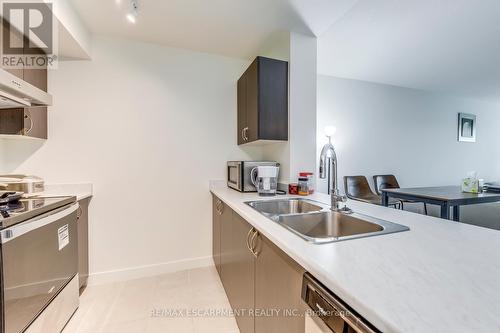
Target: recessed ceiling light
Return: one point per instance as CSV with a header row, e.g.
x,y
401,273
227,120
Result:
x,y
131,18
133,12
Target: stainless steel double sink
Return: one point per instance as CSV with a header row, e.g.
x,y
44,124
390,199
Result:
x,y
317,224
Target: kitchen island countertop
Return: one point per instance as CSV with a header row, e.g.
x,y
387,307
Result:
x,y
441,276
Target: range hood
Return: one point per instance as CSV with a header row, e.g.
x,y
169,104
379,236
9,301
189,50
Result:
x,y
16,93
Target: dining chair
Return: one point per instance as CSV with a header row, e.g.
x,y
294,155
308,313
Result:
x,y
357,188
389,181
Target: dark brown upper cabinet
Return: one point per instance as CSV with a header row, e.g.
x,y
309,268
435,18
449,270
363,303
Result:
x,y
27,122
16,38
263,101
34,76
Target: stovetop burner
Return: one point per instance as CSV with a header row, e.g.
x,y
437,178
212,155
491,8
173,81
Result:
x,y
19,210
10,208
13,207
7,197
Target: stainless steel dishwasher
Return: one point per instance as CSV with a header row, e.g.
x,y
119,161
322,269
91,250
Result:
x,y
329,313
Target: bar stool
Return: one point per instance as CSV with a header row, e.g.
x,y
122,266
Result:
x,y
357,188
389,181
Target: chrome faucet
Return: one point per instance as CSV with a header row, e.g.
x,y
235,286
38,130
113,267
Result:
x,y
328,154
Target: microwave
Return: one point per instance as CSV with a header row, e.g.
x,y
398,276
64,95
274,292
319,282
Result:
x,y
239,174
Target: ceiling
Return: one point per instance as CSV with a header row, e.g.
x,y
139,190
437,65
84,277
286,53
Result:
x,y
450,46
235,28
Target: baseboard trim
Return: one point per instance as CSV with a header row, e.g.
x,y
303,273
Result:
x,y
148,270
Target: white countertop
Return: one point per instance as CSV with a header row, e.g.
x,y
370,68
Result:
x,y
441,276
79,190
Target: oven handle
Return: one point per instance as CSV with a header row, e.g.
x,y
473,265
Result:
x,y
37,222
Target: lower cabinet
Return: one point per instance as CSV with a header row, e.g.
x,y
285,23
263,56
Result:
x,y
217,211
238,270
262,283
83,242
278,286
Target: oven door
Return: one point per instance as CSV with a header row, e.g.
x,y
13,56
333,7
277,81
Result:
x,y
234,175
39,257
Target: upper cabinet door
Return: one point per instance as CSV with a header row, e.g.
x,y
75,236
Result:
x,y
16,39
242,109
35,123
252,122
26,122
263,101
36,77
273,99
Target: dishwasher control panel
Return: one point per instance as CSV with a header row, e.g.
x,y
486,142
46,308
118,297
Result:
x,y
337,315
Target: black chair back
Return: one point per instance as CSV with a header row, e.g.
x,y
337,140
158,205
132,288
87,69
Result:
x,y
384,181
357,188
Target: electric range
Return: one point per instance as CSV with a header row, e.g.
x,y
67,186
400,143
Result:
x,y
39,263
20,210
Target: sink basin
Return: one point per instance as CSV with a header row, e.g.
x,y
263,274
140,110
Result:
x,y
328,225
331,226
315,223
287,206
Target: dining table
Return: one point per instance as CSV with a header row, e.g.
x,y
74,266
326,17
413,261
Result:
x,y
447,197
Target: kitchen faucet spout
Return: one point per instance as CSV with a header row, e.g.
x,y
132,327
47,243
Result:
x,y
328,155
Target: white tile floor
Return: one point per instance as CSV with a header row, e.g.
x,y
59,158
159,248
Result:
x,y
140,305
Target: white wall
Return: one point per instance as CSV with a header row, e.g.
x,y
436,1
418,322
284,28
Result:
x,y
278,47
384,129
75,40
149,126
298,153
303,95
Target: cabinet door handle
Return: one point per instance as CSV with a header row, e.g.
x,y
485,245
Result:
x,y
243,134
221,208
245,131
28,116
252,243
248,240
80,212
218,206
